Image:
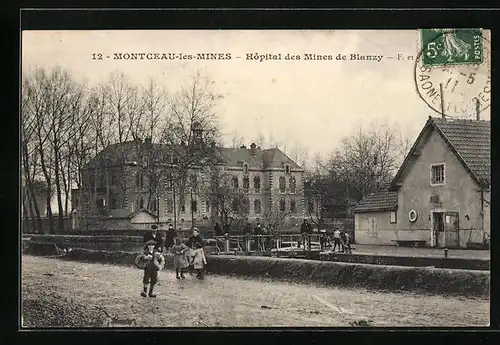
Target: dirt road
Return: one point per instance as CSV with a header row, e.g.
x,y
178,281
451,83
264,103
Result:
x,y
221,301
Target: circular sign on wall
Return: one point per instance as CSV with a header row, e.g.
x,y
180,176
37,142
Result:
x,y
412,215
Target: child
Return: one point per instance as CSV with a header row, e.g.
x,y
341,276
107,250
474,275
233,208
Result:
x,y
152,261
199,260
180,259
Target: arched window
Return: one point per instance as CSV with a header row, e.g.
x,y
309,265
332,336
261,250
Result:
x,y
256,206
246,183
245,168
282,184
293,184
246,205
287,168
141,202
235,182
256,184
293,207
282,205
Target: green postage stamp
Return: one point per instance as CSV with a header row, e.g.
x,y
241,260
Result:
x,y
451,46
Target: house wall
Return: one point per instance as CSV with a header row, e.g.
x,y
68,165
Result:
x,y
375,228
460,193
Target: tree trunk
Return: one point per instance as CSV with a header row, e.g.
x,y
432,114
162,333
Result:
x,y
31,192
60,223
49,210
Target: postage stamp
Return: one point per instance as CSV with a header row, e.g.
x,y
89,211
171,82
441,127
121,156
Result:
x,y
451,46
453,71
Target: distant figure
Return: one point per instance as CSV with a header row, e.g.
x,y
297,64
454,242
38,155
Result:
x,y
324,240
169,237
347,242
258,232
336,239
180,259
217,230
306,230
155,236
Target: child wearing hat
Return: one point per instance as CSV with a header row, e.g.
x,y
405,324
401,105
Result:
x,y
180,258
199,259
154,262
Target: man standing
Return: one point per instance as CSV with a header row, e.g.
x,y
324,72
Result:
x,y
306,231
155,236
170,236
336,239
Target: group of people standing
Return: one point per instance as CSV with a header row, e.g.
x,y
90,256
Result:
x,y
186,255
341,239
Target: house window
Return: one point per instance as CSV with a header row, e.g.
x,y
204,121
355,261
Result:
x,y
282,184
256,184
140,203
245,168
437,174
256,206
293,184
287,168
293,207
235,182
194,206
246,205
246,183
394,217
113,203
169,206
282,205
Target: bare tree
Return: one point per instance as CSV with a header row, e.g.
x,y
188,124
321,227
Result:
x,y
368,159
228,200
237,140
192,132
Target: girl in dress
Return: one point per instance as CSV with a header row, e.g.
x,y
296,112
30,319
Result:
x,y
199,260
180,258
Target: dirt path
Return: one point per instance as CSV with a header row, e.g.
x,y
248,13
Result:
x,y
222,301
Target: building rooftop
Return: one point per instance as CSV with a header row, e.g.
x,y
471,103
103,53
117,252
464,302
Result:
x,y
376,202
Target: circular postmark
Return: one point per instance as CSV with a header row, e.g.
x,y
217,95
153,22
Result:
x,y
452,71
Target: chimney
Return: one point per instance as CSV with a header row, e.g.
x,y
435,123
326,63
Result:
x,y
478,117
243,147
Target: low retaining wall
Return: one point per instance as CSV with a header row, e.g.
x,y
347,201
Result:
x,y
399,260
117,243
384,278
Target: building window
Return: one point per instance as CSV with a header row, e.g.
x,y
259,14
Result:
x,y
193,180
169,206
256,184
153,205
207,206
287,168
139,180
293,184
394,217
245,168
256,206
183,206
293,207
282,205
113,203
194,206
113,179
282,184
437,174
246,205
246,183
141,203
310,206
235,182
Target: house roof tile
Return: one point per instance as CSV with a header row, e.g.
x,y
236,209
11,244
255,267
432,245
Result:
x,y
381,201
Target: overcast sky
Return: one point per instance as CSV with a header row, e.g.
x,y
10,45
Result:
x,y
309,103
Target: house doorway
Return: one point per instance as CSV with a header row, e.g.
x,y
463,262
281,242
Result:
x,y
451,228
438,228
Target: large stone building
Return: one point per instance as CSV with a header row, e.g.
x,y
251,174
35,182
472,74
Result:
x,y
117,192
441,193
